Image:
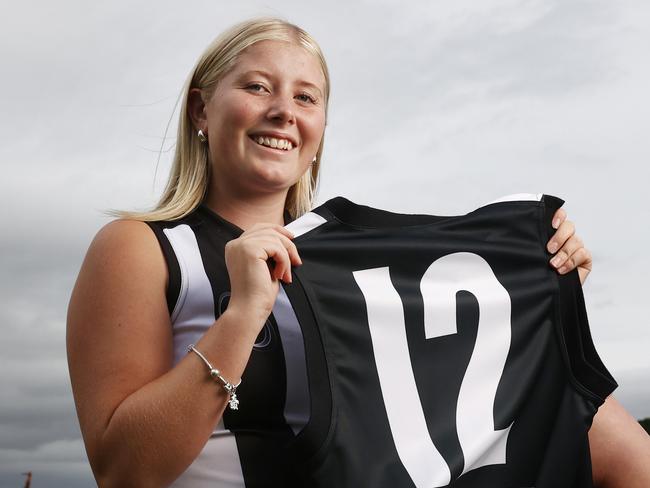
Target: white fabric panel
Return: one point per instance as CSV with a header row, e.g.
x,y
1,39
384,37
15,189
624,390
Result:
x,y
515,197
194,310
305,223
216,466
296,408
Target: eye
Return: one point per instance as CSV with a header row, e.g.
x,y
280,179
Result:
x,y
256,87
307,98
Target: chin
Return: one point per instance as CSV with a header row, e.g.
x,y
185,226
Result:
x,y
275,178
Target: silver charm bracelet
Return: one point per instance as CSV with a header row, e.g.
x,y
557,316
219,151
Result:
x,y
215,374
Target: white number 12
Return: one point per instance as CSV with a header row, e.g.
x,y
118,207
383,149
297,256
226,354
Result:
x,y
481,443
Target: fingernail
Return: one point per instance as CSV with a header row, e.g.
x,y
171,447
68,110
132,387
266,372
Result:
x,y
562,270
552,247
555,261
556,223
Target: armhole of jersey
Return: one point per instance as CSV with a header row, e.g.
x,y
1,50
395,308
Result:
x,y
586,370
586,367
173,268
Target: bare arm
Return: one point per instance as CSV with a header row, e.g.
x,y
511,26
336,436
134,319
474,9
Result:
x,y
620,448
143,422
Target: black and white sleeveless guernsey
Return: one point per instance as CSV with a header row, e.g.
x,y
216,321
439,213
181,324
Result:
x,y
245,447
409,351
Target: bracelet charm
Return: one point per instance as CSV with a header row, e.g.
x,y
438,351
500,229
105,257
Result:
x,y
215,374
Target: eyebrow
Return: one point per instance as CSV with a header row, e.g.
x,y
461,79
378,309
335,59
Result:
x,y
268,75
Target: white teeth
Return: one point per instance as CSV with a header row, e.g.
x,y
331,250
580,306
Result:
x,y
274,143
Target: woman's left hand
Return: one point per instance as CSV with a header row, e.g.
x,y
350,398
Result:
x,y
568,248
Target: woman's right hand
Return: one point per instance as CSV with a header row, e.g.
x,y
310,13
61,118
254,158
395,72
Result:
x,y
254,282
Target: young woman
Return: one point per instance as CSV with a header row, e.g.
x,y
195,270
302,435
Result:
x,y
247,158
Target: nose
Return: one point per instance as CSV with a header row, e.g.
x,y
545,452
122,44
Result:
x,y
281,110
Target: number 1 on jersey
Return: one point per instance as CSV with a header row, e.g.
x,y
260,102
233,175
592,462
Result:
x,y
481,443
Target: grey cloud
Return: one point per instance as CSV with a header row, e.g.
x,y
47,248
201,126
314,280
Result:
x,y
436,107
634,392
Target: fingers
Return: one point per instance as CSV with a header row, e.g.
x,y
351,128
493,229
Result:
x,y
562,234
262,227
278,246
285,254
572,254
570,249
278,261
286,237
559,217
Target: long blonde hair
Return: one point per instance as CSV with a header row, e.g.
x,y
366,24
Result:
x,y
191,170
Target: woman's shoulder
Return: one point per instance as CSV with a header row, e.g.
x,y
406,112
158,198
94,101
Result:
x,y
124,234
125,246
122,272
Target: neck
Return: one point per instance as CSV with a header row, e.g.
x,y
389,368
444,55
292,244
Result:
x,y
246,211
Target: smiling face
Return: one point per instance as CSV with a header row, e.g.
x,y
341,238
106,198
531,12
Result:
x,y
273,96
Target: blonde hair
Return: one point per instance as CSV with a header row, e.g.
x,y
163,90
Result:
x,y
190,174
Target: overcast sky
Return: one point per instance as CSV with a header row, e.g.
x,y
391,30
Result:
x,y
437,107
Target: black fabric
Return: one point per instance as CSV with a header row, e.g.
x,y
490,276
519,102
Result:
x,y
303,450
552,382
173,270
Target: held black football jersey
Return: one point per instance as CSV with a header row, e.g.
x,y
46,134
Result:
x,y
442,351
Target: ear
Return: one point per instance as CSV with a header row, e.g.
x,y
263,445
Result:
x,y
196,109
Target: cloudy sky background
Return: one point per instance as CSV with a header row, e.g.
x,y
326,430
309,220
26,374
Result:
x,y
436,107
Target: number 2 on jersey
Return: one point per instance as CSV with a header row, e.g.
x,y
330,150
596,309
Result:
x,y
481,443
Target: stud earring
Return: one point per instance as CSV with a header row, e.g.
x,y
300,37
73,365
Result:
x,y
201,135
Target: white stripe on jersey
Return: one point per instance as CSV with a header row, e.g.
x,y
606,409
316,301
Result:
x,y
296,407
305,223
217,465
517,197
194,309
